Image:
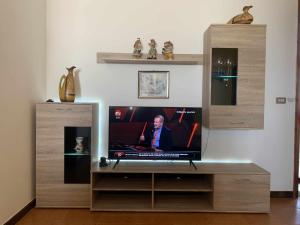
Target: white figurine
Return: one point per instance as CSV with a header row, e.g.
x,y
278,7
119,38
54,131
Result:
x,y
137,51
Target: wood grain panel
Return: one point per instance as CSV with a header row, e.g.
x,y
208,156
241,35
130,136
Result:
x,y
251,77
50,169
238,36
237,117
63,195
242,193
206,85
66,115
49,155
181,168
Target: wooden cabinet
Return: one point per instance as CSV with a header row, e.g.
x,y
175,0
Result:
x,y
62,173
213,187
241,192
234,76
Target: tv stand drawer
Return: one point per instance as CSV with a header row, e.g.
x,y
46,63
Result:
x,y
242,192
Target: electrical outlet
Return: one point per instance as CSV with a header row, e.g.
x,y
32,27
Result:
x,y
280,100
291,99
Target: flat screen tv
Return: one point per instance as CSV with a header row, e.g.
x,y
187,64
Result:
x,y
155,133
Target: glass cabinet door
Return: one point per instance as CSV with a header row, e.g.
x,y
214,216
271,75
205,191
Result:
x,y
77,155
224,76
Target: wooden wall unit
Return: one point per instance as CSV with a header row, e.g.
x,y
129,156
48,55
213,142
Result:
x,y
248,110
213,187
51,122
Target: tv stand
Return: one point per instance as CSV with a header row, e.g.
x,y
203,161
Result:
x,y
193,164
175,187
116,163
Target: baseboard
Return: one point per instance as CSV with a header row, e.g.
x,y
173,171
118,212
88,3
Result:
x,y
281,194
21,213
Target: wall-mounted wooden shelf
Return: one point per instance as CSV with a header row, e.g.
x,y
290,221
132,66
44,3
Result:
x,y
127,58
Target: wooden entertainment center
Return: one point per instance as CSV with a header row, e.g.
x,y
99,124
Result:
x,y
233,98
178,187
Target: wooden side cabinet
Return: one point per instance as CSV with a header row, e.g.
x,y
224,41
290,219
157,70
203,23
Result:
x,y
234,76
242,192
62,170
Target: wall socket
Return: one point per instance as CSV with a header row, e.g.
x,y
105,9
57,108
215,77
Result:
x,y
280,100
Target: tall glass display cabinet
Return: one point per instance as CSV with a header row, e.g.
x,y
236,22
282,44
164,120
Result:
x,y
66,143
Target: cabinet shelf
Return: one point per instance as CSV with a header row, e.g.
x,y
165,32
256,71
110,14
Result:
x,y
122,182
117,185
114,201
183,183
127,58
224,77
77,154
182,202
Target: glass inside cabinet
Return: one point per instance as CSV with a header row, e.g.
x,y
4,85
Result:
x,y
224,76
77,155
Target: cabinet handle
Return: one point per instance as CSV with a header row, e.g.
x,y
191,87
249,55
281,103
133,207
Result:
x,y
237,123
247,180
60,109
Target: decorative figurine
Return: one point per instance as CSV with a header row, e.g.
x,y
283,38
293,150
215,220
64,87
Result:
x,y
167,50
79,146
137,52
244,18
152,51
67,86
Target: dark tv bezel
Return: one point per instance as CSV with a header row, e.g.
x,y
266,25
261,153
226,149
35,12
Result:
x,y
155,159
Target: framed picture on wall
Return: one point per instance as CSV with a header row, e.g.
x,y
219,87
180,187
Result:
x,y
153,84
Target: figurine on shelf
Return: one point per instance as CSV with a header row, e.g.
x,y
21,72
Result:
x,y
79,146
167,50
137,51
244,18
152,54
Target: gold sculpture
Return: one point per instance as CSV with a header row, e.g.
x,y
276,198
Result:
x,y
67,86
152,54
167,50
137,48
244,18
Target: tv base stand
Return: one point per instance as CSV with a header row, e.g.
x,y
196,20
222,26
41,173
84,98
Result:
x,y
193,164
165,187
116,163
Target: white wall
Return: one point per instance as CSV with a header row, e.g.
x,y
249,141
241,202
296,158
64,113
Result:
x,y
23,83
77,29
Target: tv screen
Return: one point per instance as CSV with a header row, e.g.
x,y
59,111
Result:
x,y
168,133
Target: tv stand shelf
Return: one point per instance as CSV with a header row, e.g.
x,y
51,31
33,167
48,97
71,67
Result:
x,y
178,187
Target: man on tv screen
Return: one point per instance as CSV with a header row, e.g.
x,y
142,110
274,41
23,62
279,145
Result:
x,y
159,138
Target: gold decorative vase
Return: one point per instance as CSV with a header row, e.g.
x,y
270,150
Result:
x,y
67,86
